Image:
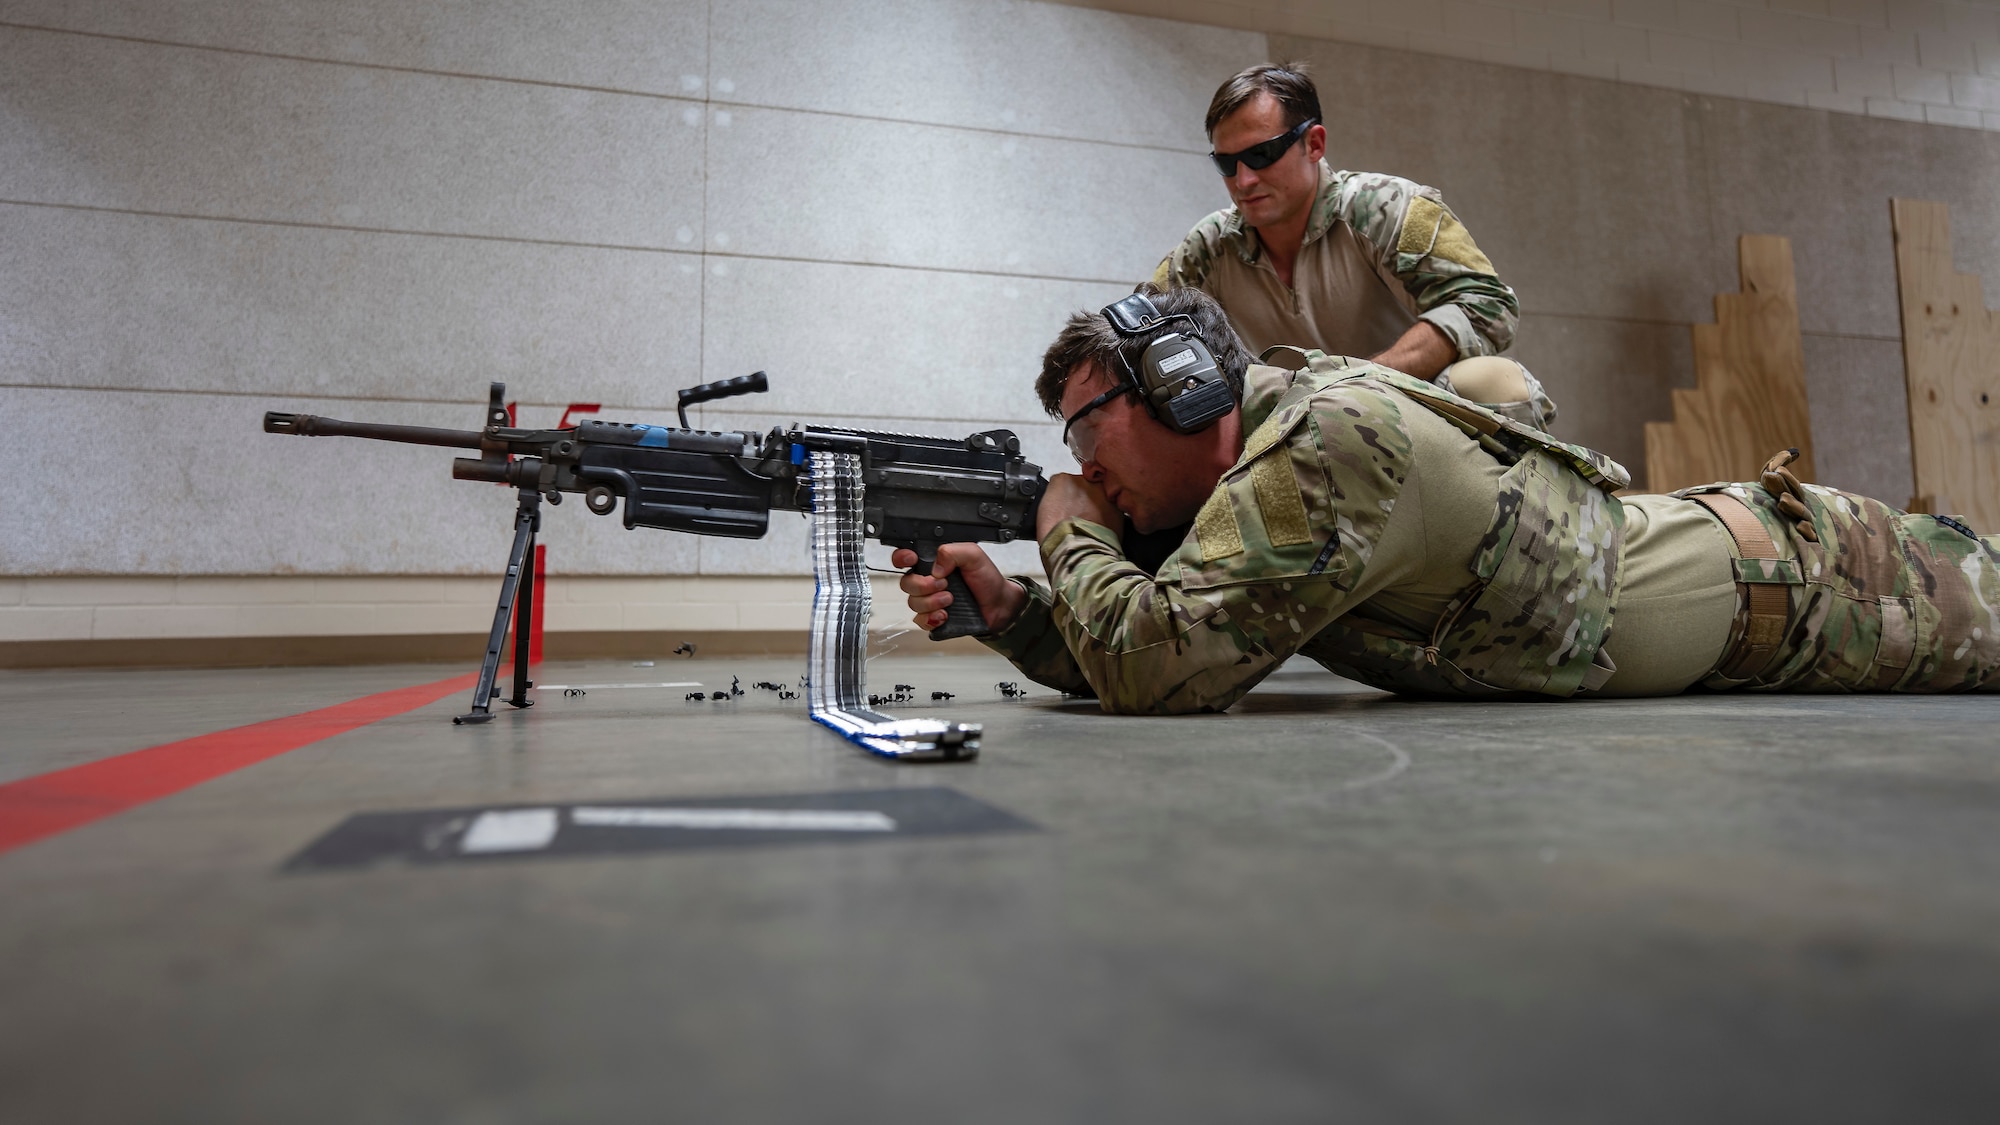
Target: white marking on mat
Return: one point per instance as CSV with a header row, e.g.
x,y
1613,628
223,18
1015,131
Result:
x,y
510,830
766,820
1399,761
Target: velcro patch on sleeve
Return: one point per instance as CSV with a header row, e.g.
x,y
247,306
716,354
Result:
x,y
1279,500
1430,228
1454,243
1420,226
1215,528
1275,428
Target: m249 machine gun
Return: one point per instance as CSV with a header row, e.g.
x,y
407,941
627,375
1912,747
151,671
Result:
x,y
918,492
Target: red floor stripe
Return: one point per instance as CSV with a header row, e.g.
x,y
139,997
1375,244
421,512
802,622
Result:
x,y
41,806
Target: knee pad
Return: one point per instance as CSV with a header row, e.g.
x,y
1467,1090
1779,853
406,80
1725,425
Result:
x,y
1487,379
1502,386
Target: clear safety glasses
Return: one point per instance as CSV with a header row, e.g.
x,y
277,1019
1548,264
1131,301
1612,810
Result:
x,y
1263,154
1080,431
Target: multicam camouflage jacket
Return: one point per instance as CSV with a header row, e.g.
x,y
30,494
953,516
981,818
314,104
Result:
x,y
1282,545
1402,230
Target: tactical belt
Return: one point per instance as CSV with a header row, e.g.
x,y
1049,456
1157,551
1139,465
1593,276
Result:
x,y
1765,607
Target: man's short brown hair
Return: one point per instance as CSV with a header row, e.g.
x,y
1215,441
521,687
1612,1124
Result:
x,y
1288,83
1088,339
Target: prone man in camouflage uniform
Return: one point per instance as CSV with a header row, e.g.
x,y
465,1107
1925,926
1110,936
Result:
x,y
1351,263
1410,539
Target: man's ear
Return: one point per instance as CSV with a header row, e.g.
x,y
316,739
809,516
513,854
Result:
x,y
1315,139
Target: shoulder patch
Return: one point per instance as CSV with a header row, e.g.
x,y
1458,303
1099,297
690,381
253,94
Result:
x,y
1276,426
1420,226
1215,528
1431,229
1454,243
1279,501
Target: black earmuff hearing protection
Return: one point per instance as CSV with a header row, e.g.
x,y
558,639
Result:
x,y
1176,380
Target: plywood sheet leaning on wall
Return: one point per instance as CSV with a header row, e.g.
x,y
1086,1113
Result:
x,y
1951,366
1749,397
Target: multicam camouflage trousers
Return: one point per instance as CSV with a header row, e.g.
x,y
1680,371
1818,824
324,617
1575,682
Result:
x,y
1878,599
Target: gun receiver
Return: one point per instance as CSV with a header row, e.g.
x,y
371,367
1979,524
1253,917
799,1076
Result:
x,y
919,492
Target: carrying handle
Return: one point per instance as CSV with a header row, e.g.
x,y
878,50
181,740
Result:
x,y
751,384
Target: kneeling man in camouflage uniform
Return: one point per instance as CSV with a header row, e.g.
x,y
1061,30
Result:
x,y
1415,541
1355,263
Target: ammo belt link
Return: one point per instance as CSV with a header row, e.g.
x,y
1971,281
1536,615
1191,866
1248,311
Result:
x,y
1766,607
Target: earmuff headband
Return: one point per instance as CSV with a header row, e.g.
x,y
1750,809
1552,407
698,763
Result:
x,y
1177,380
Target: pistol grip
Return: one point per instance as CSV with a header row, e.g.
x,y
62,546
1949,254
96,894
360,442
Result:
x,y
963,617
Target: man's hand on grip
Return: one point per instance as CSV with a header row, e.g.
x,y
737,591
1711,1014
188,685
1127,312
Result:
x,y
1000,600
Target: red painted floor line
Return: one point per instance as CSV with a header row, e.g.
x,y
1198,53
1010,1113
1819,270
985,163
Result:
x,y
37,807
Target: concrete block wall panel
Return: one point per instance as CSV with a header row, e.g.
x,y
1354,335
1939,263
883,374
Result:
x,y
1860,415
1006,66
1825,181
187,484
891,193
1908,60
108,123
926,345
526,229
648,46
200,489
1590,198
1608,375
147,302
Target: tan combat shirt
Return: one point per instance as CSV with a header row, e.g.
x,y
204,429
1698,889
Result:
x,y
1380,253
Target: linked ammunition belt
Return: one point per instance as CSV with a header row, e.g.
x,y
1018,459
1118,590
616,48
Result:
x,y
836,667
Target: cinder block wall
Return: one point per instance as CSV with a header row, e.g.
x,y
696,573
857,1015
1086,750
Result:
x,y
1908,60
371,208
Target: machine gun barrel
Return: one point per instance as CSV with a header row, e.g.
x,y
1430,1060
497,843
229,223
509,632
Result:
x,y
312,425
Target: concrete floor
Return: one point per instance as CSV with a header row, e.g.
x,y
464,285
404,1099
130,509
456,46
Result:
x,y
1327,905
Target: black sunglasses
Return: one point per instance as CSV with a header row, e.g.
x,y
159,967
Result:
x,y
1263,154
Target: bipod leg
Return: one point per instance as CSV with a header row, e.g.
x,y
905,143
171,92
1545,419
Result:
x,y
526,519
524,621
